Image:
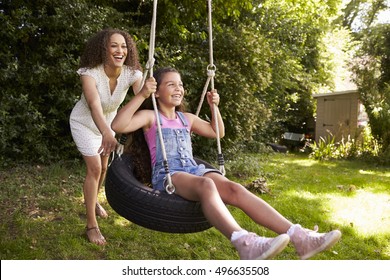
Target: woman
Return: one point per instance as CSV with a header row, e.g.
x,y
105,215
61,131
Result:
x,y
109,66
197,183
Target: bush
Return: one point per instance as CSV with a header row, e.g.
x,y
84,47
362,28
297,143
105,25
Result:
x,y
363,146
39,56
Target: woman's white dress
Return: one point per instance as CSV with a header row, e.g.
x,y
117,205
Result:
x,y
85,133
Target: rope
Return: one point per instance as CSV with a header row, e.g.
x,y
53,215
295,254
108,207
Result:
x,y
210,74
149,65
170,188
211,68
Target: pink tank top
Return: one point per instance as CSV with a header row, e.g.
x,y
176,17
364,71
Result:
x,y
151,134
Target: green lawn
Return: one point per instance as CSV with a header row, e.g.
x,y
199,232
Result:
x,y
42,213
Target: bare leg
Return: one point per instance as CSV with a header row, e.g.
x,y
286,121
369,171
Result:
x,y
204,190
99,210
307,243
248,245
257,209
90,189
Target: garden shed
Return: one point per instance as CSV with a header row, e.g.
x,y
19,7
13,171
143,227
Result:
x,y
339,113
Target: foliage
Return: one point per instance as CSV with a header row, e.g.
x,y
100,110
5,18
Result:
x,y
324,149
363,145
372,75
298,68
267,54
39,54
361,14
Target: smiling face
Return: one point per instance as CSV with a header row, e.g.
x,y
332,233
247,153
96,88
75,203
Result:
x,y
170,90
116,51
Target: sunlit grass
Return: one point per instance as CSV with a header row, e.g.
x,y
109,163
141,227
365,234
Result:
x,y
372,172
366,212
304,162
119,221
386,251
351,196
43,215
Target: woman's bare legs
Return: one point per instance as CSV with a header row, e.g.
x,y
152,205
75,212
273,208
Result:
x,y
257,209
99,210
90,188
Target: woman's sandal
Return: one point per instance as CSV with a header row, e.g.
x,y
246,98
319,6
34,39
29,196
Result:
x,y
99,211
95,236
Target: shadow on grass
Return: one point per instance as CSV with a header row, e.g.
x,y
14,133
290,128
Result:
x,y
351,196
42,215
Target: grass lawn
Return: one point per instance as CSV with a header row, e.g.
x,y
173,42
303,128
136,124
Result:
x,y
42,213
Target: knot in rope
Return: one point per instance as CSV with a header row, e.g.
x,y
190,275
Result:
x,y
150,63
211,73
211,68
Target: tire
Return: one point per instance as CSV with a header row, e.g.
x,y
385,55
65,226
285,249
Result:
x,y
149,208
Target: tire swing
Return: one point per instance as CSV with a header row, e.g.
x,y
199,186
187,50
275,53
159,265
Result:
x,y
142,205
147,207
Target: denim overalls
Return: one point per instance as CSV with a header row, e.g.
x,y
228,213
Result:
x,y
178,148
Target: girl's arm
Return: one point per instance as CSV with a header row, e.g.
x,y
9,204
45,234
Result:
x,y
128,119
208,129
93,100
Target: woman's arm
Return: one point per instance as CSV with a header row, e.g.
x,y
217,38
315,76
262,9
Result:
x,y
128,119
208,129
93,100
137,85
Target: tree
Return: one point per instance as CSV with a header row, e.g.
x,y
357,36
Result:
x,y
361,14
41,44
372,75
267,54
371,65
294,30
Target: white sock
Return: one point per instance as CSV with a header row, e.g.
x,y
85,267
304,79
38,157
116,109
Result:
x,y
237,234
291,230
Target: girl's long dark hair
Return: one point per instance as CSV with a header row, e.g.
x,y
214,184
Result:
x,y
136,145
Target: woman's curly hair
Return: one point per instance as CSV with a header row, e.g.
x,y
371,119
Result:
x,y
95,52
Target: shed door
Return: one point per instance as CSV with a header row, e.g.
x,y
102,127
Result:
x,y
337,116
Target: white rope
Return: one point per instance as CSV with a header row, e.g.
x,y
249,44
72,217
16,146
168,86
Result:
x,y
211,51
170,188
211,68
149,65
202,96
121,145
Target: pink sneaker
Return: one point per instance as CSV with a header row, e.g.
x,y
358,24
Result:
x,y
253,247
309,242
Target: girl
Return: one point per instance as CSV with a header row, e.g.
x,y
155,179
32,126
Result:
x,y
197,183
109,66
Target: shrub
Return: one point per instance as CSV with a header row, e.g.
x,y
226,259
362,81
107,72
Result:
x,y
364,145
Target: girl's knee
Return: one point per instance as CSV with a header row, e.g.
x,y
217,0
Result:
x,y
207,185
232,192
199,189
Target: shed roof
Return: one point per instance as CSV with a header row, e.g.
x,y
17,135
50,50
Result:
x,y
343,85
334,93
